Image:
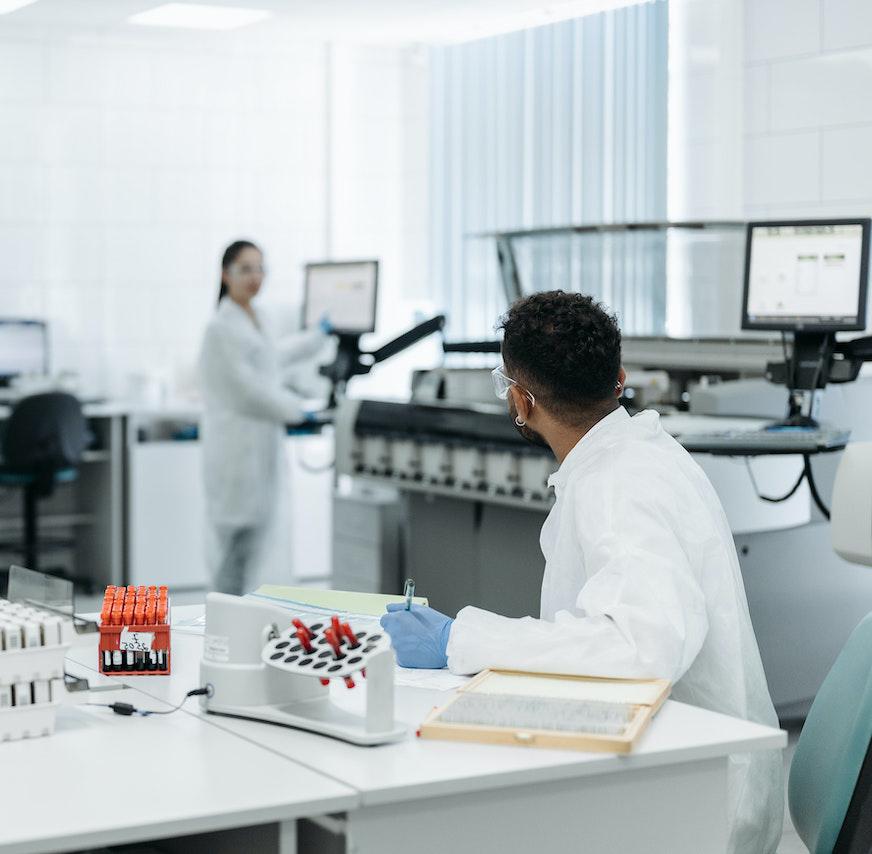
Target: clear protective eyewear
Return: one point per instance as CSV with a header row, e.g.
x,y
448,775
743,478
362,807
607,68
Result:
x,y
247,269
502,383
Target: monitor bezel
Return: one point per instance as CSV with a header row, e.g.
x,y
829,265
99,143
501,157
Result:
x,y
769,325
338,330
27,321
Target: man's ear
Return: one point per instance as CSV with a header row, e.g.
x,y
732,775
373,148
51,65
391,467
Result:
x,y
622,379
522,403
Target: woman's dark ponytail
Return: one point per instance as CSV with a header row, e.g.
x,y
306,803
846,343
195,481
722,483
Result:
x,y
231,253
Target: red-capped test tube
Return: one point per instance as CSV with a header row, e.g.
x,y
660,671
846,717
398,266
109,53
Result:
x,y
334,642
349,635
300,626
303,638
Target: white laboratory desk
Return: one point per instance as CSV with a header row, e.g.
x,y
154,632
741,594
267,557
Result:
x,y
668,796
104,779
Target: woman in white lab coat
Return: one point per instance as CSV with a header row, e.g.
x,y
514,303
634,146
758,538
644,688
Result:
x,y
246,408
641,573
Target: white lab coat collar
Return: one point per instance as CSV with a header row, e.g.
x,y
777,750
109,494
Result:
x,y
233,313
588,443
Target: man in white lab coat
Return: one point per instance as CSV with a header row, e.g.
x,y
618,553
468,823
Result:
x,y
641,573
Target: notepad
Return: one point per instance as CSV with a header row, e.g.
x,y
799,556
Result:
x,y
343,602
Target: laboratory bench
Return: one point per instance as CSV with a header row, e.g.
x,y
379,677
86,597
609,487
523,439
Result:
x,y
303,792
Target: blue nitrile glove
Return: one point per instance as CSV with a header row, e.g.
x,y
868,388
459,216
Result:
x,y
325,325
419,636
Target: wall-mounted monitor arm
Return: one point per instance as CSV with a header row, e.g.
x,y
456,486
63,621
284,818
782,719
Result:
x,y
351,361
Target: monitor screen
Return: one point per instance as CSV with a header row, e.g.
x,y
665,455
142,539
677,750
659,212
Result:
x,y
806,275
344,292
23,347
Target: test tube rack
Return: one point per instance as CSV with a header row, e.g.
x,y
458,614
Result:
x,y
262,663
33,645
135,631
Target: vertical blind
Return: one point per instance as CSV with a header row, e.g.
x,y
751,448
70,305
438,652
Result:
x,y
558,125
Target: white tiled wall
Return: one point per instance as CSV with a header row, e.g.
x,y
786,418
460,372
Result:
x,y
808,107
128,161
799,143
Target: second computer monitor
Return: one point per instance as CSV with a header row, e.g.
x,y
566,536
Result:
x,y
344,292
808,276
23,348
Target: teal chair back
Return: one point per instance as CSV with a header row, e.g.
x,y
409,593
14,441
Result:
x,y
830,786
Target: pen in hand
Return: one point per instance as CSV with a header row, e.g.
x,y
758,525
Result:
x,y
409,592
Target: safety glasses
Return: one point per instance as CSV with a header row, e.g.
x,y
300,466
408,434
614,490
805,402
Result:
x,y
247,269
502,383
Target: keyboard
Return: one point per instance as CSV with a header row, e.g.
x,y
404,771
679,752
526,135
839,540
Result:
x,y
754,442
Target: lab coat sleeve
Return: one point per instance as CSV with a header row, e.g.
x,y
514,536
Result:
x,y
251,396
298,346
641,613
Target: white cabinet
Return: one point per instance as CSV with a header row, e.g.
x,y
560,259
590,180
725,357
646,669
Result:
x,y
168,534
166,515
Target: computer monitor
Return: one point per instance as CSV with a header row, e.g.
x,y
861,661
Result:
x,y
23,348
806,276
343,291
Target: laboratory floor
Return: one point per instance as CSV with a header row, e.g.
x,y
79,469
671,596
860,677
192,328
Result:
x,y
790,841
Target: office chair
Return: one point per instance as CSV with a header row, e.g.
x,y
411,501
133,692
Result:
x,y
42,446
830,787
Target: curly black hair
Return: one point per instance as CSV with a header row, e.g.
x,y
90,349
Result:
x,y
566,348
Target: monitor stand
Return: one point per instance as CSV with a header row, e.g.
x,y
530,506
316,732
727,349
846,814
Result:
x,y
807,371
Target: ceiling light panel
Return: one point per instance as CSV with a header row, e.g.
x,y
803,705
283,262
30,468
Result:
x,y
198,17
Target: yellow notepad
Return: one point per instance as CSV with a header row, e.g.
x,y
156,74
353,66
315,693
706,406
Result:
x,y
335,601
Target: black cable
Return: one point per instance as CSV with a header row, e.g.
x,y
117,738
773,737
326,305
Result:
x,y
308,467
813,487
770,499
127,709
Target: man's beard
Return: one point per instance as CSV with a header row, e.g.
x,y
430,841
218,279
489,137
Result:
x,y
531,436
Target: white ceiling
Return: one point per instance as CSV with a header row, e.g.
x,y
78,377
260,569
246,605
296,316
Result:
x,y
376,21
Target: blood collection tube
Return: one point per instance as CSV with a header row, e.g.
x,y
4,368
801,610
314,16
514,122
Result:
x,y
349,634
334,642
337,628
151,612
349,682
108,667
161,613
303,638
299,625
